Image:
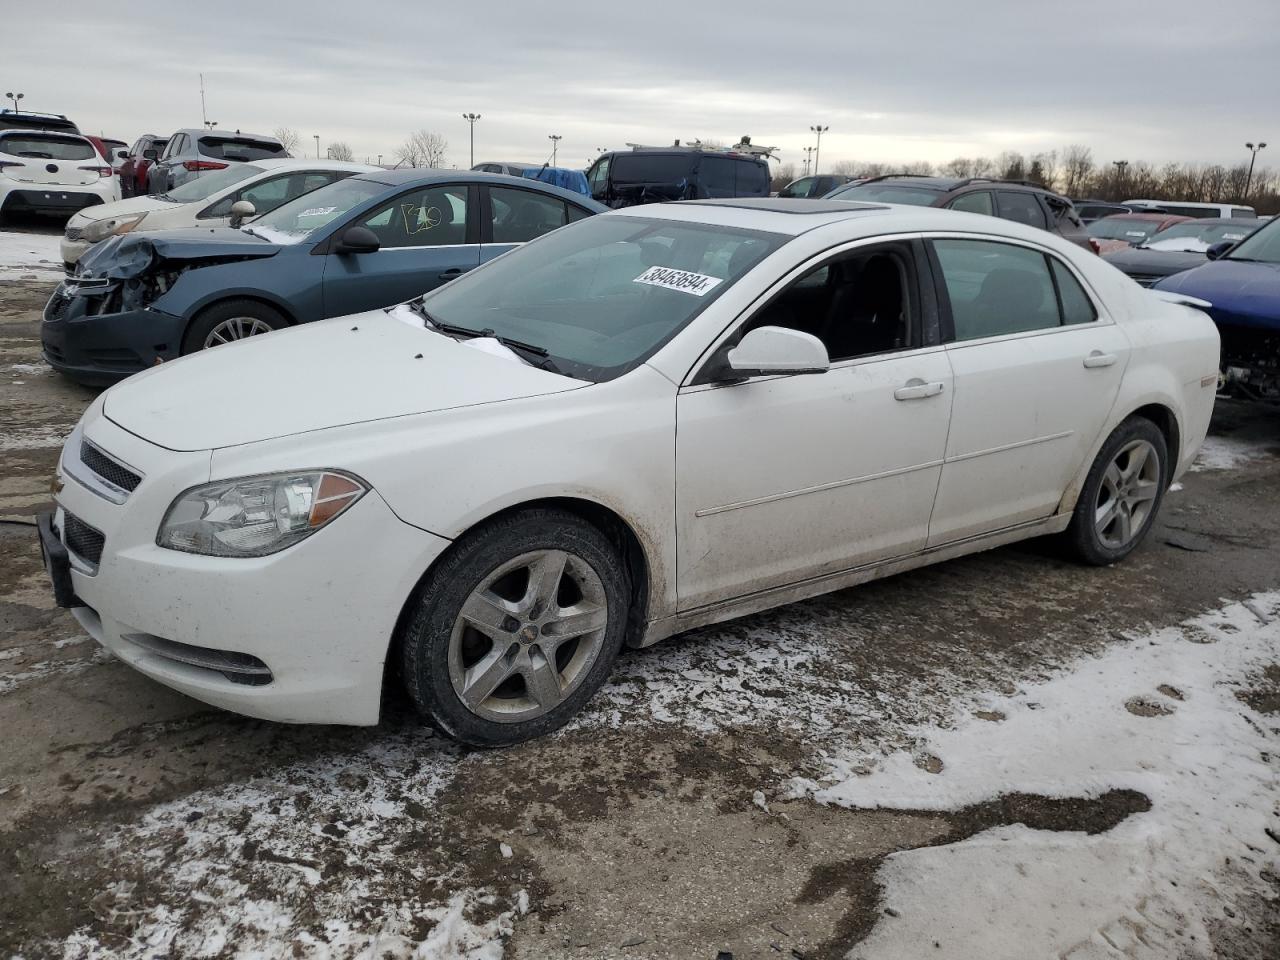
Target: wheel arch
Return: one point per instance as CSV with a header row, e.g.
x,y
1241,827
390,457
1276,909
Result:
x,y
603,518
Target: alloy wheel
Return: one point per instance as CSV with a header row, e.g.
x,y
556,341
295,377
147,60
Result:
x,y
235,328
527,636
1127,494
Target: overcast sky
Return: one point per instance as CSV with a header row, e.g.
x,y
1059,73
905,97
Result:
x,y
1133,79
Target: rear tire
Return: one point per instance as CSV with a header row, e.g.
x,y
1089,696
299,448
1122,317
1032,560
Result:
x,y
1121,495
516,628
230,321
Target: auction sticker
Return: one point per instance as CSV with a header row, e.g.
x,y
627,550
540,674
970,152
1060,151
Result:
x,y
698,284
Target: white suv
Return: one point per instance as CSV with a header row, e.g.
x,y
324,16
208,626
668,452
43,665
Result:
x,y
204,202
43,171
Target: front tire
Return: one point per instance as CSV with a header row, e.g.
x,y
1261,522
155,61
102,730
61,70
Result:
x,y
230,321
516,628
1121,495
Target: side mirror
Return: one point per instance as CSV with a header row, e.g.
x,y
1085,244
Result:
x,y
150,155
357,240
768,351
240,211
1219,248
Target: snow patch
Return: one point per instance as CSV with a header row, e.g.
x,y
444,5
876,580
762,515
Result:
x,y
26,256
1228,453
1150,885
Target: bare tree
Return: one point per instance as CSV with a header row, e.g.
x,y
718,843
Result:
x,y
1010,165
423,149
785,173
338,150
1077,168
288,137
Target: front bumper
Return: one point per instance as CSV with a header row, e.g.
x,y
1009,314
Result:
x,y
72,251
318,617
86,336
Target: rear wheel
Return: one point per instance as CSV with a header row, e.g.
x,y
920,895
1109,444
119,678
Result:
x,y
1121,495
515,630
228,322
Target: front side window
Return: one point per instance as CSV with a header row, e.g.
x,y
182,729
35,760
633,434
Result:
x,y
602,295
977,202
859,304
523,215
434,216
1021,208
996,288
599,175
797,188
294,220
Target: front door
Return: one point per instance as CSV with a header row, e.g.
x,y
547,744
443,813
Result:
x,y
1037,369
429,236
784,478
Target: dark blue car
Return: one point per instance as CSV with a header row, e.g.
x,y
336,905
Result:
x,y
1242,282
364,242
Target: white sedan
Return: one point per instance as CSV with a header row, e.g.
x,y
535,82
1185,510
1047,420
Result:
x,y
206,201
650,420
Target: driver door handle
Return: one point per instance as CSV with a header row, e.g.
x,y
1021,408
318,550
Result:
x,y
917,389
1099,359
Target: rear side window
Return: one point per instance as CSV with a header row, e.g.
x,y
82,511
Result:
x,y
996,288
651,168
523,215
753,179
46,148
1021,208
1075,303
229,148
1243,212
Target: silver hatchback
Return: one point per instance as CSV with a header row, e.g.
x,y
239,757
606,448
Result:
x,y
189,153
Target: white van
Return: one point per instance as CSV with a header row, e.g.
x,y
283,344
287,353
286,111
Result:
x,y
1187,208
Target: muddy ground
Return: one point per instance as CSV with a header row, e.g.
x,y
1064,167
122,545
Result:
x,y
659,825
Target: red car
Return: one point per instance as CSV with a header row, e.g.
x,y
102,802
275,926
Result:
x,y
1125,230
112,151
133,172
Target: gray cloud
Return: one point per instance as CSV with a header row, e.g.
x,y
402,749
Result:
x,y
1177,80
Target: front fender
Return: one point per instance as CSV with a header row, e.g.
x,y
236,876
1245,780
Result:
x,y
290,284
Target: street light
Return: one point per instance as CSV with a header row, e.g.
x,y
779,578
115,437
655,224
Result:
x,y
1247,180
316,137
471,118
817,151
1120,166
555,139
808,158
15,97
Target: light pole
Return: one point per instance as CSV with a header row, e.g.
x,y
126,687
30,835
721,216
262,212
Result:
x,y
808,158
379,159
471,118
817,151
211,124
1248,181
15,97
316,137
555,139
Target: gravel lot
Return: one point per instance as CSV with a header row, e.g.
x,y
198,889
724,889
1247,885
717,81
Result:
x,y
708,800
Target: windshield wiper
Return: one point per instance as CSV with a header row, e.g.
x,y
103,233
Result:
x,y
544,357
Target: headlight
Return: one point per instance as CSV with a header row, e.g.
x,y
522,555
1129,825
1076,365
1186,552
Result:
x,y
256,516
111,227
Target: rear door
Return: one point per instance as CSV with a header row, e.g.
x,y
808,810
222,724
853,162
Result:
x,y
1037,367
429,235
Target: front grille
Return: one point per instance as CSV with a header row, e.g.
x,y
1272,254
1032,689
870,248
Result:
x,y
242,668
110,470
74,233
56,308
83,540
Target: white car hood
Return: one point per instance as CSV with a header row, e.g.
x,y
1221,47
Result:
x,y
122,208
355,369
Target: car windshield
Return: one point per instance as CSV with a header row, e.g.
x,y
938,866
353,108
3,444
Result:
x,y
602,295
290,222
46,148
1116,228
1197,235
207,184
1262,246
887,193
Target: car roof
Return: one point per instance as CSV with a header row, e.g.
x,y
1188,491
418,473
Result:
x,y
198,132
302,163
424,176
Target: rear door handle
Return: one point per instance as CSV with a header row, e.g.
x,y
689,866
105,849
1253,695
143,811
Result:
x,y
916,389
1099,359
452,273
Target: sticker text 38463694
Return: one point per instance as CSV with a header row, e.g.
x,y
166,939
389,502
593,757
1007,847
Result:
x,y
698,284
